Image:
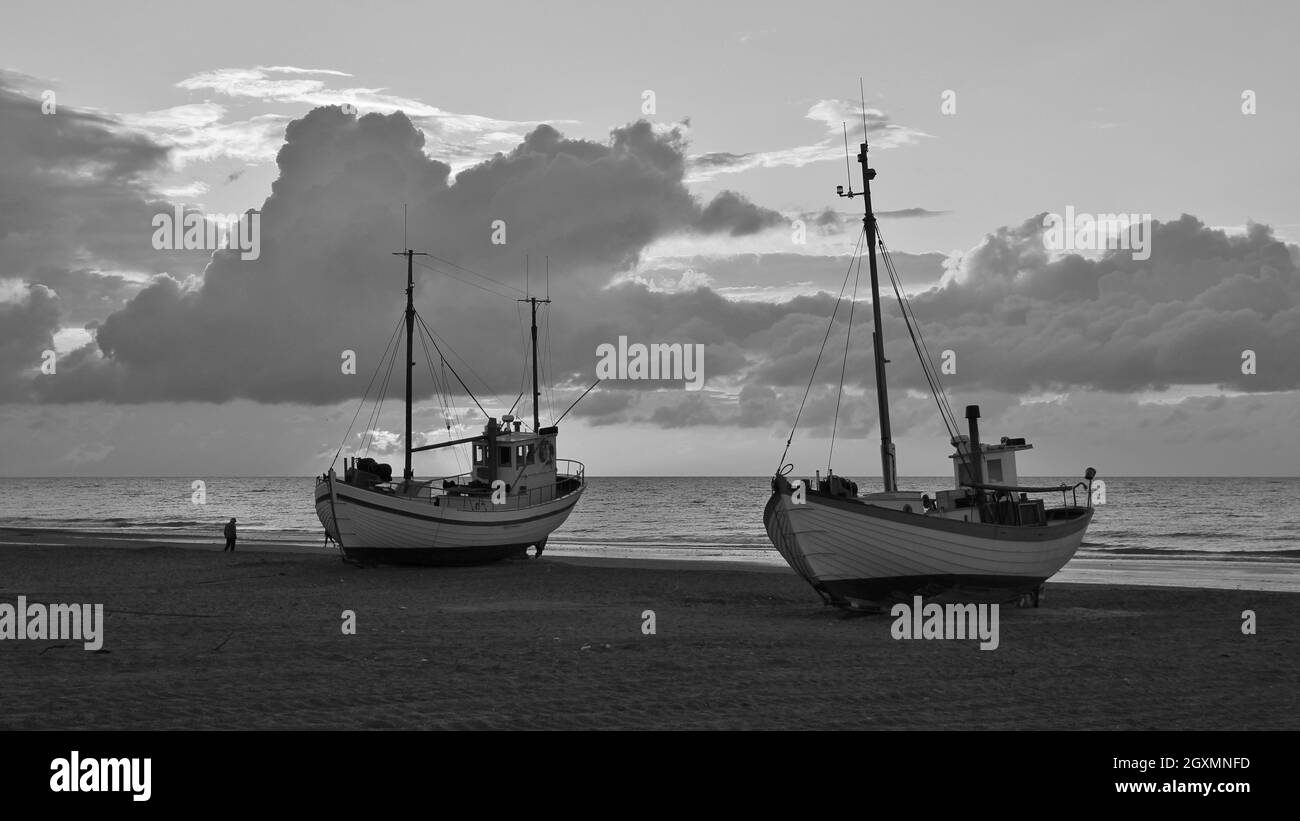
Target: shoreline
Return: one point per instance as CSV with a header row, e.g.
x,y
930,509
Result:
x,y
197,640
1178,571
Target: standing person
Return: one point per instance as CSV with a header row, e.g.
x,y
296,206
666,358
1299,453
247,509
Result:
x,y
230,535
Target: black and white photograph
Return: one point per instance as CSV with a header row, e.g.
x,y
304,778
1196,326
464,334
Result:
x,y
562,366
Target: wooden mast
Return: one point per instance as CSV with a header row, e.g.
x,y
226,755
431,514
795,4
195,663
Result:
x,y
410,359
887,466
537,393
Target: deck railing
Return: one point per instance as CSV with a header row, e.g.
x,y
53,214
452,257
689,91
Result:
x,y
1000,505
1062,489
570,476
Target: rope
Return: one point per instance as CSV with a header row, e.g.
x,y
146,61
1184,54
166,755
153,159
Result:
x,y
443,396
379,405
476,274
923,353
848,336
466,281
431,334
829,326
918,342
369,384
524,342
449,403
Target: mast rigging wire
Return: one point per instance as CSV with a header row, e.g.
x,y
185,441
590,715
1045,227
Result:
x,y
848,338
369,384
829,325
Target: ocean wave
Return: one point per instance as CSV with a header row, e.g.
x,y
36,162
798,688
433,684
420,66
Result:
x,y
1131,550
91,525
676,543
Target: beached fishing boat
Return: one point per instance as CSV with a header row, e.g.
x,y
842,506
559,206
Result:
x,y
515,495
985,540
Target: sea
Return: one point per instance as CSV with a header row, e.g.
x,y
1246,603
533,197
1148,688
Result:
x,y
1163,529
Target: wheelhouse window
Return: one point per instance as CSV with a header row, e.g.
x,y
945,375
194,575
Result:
x,y
480,454
532,454
503,455
994,470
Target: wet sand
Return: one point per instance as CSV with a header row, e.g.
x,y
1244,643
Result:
x,y
196,638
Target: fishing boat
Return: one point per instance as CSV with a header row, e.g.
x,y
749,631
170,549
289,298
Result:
x,y
984,540
516,493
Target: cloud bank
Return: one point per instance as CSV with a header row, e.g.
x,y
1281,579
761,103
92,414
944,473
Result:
x,y
1017,318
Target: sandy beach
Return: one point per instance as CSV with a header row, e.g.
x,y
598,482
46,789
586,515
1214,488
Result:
x,y
198,639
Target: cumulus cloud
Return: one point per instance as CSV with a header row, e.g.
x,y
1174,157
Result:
x,y
28,321
1021,320
734,213
1018,318
274,329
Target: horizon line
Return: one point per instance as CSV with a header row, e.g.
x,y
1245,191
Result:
x,y
192,476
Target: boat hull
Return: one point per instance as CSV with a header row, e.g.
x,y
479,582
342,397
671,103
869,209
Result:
x,y
856,554
373,527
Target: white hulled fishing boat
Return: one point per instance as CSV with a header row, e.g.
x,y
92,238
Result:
x,y
984,540
515,495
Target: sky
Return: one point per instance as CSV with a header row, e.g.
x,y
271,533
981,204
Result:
x,y
675,168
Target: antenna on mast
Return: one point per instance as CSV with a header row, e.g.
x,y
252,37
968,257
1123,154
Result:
x,y
863,96
848,173
888,463
537,392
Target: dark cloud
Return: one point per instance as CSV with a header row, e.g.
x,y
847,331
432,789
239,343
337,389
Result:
x,y
909,213
1021,320
828,218
687,411
85,294
719,159
604,407
75,188
274,328
27,327
729,211
831,221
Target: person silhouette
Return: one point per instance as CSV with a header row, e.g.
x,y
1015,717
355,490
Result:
x,y
230,535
